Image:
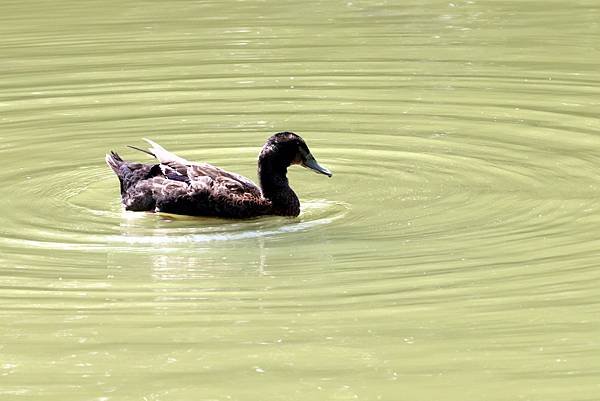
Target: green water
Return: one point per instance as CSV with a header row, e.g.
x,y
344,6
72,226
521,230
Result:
x,y
452,256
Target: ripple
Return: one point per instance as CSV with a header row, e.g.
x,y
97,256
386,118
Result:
x,y
461,219
433,184
68,209
461,149
313,215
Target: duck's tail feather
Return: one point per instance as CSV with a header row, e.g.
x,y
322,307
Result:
x,y
142,150
163,155
114,161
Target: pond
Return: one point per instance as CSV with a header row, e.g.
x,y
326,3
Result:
x,y
453,255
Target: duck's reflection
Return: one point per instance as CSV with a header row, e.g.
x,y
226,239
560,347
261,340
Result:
x,y
211,263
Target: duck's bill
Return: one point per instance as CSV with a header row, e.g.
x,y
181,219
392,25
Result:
x,y
312,164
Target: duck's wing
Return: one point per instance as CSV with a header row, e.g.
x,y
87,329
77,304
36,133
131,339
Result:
x,y
223,180
177,168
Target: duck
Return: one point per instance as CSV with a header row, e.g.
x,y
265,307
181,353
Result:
x,y
175,185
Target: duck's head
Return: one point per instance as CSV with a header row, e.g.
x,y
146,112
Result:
x,y
287,148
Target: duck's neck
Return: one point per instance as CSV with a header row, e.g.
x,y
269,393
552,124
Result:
x,y
275,187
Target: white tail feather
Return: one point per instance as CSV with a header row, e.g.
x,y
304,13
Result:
x,y
163,155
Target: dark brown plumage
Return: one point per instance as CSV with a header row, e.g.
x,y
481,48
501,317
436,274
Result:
x,y
178,186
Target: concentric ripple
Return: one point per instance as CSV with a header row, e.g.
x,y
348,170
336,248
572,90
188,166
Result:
x,y
86,199
452,255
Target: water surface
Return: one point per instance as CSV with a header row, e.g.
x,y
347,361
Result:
x,y
453,255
